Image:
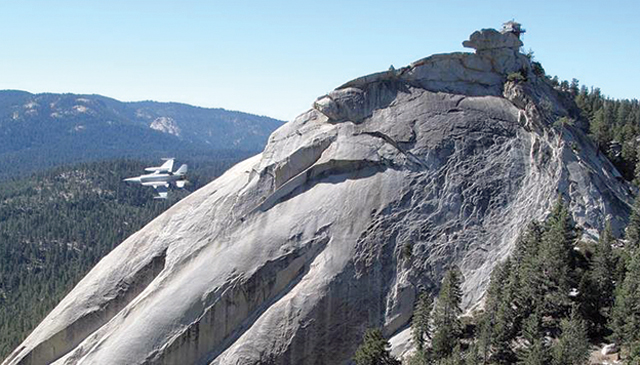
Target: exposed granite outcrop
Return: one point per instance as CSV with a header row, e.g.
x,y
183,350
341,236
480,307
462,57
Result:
x,y
289,256
488,40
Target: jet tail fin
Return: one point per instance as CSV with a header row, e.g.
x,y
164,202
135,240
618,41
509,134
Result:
x,y
181,183
182,170
166,167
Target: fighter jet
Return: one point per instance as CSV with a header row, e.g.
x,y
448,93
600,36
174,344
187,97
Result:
x,y
162,178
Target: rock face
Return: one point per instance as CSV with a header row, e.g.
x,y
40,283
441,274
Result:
x,y
490,40
166,125
351,209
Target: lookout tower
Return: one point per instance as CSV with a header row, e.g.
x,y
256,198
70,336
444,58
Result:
x,y
512,27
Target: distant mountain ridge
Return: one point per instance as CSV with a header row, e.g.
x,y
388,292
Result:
x,y
43,130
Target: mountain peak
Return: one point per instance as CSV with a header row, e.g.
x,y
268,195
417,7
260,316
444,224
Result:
x,y
481,73
351,210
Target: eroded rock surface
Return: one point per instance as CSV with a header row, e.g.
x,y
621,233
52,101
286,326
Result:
x,y
351,209
491,39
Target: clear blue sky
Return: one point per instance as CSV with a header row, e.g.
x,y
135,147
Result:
x,y
275,57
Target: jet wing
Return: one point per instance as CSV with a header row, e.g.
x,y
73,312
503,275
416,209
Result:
x,y
162,191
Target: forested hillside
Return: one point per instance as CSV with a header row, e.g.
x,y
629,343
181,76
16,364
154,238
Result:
x,y
56,225
40,131
614,124
555,300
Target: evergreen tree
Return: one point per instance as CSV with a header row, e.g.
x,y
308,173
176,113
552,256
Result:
x,y
602,262
629,151
572,347
472,355
419,358
574,88
602,274
556,251
636,171
634,353
589,300
532,329
536,352
633,228
626,312
374,350
514,293
499,278
506,320
484,333
456,357
600,130
611,120
529,265
448,327
421,321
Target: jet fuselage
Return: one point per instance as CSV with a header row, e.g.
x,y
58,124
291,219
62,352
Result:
x,y
156,179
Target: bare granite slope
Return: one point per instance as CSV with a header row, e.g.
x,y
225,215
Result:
x,y
350,210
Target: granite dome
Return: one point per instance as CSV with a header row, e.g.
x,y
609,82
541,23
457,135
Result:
x,y
289,256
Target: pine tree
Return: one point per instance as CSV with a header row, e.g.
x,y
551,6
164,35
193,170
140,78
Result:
x,y
457,356
636,171
626,312
633,228
506,305
589,300
597,285
527,244
537,350
472,355
629,150
537,354
602,262
634,353
526,256
532,329
421,321
555,252
574,88
507,319
484,333
374,350
572,347
448,327
600,130
499,277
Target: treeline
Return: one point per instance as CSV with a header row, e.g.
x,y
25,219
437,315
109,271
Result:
x,y
547,303
56,225
614,125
